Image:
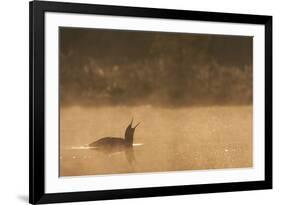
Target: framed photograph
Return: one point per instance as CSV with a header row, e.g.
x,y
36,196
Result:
x,y
140,102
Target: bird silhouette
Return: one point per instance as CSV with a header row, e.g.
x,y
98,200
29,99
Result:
x,y
111,145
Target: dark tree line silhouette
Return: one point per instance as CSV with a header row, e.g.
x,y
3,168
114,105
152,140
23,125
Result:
x,y
112,67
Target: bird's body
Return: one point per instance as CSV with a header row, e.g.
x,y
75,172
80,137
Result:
x,y
115,144
110,144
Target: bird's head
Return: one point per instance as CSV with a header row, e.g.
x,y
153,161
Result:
x,y
129,134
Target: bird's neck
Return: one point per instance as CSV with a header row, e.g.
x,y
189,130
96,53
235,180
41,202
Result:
x,y
129,140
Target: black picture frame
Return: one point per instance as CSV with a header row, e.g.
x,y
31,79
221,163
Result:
x,y
37,194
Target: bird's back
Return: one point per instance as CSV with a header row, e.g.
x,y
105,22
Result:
x,y
109,144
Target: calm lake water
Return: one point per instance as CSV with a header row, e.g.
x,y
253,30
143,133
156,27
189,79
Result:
x,y
168,139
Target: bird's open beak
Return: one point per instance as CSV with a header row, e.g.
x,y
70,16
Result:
x,y
136,125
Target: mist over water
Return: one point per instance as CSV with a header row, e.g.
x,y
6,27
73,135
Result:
x,y
171,139
191,93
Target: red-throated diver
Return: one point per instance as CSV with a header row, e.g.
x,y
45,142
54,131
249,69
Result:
x,y
115,144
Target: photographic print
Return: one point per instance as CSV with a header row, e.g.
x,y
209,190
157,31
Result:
x,y
142,101
129,102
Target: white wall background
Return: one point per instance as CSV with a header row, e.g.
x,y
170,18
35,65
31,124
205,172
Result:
x,y
14,100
